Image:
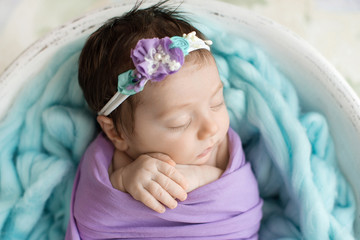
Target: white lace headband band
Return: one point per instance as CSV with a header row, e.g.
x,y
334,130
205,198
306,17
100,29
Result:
x,y
154,59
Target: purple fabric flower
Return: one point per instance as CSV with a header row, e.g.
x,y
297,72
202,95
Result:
x,y
154,59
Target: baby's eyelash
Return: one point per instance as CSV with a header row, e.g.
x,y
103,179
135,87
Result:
x,y
217,106
183,127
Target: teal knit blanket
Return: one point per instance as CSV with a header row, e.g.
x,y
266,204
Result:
x,y
49,127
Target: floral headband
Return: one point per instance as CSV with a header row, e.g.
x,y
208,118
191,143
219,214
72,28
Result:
x,y
154,59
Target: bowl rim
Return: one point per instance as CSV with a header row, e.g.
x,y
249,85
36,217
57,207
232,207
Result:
x,y
342,91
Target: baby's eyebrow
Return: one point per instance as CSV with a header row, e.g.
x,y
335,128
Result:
x,y
217,89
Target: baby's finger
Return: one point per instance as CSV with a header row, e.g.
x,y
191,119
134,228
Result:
x,y
172,173
162,157
148,200
174,189
161,195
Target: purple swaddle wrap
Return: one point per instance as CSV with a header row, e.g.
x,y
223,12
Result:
x,y
228,208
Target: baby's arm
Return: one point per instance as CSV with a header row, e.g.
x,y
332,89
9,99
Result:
x,y
153,180
199,175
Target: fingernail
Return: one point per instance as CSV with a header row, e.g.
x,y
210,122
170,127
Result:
x,y
174,205
172,163
184,197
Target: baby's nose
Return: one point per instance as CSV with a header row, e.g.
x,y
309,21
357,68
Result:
x,y
207,129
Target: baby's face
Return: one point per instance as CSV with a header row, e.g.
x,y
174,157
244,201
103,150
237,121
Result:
x,y
184,117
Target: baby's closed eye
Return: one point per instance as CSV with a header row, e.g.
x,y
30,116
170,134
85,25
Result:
x,y
217,106
180,126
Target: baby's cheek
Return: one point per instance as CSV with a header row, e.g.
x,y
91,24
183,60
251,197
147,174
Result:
x,y
224,121
183,153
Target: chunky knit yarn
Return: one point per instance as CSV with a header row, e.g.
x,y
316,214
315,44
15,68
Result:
x,y
49,127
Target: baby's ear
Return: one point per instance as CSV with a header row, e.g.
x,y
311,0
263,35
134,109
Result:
x,y
117,138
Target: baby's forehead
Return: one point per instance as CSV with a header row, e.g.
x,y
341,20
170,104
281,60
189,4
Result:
x,y
162,92
193,83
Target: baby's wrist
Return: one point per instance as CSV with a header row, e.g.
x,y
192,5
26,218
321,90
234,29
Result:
x,y
116,179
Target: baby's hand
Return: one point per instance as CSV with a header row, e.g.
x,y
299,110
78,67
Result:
x,y
199,175
153,180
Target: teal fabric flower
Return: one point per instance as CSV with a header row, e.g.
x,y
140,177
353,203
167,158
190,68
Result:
x,y
180,42
128,84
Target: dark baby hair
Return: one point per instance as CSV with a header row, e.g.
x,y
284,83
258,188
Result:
x,y
106,54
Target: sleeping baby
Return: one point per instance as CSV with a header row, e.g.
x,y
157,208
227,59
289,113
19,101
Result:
x,y
166,163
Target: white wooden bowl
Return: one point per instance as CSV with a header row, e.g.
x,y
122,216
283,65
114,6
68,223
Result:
x,y
320,87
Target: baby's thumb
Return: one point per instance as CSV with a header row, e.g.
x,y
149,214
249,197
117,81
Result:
x,y
162,157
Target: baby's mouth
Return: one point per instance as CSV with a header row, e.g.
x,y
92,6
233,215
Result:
x,y
205,152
